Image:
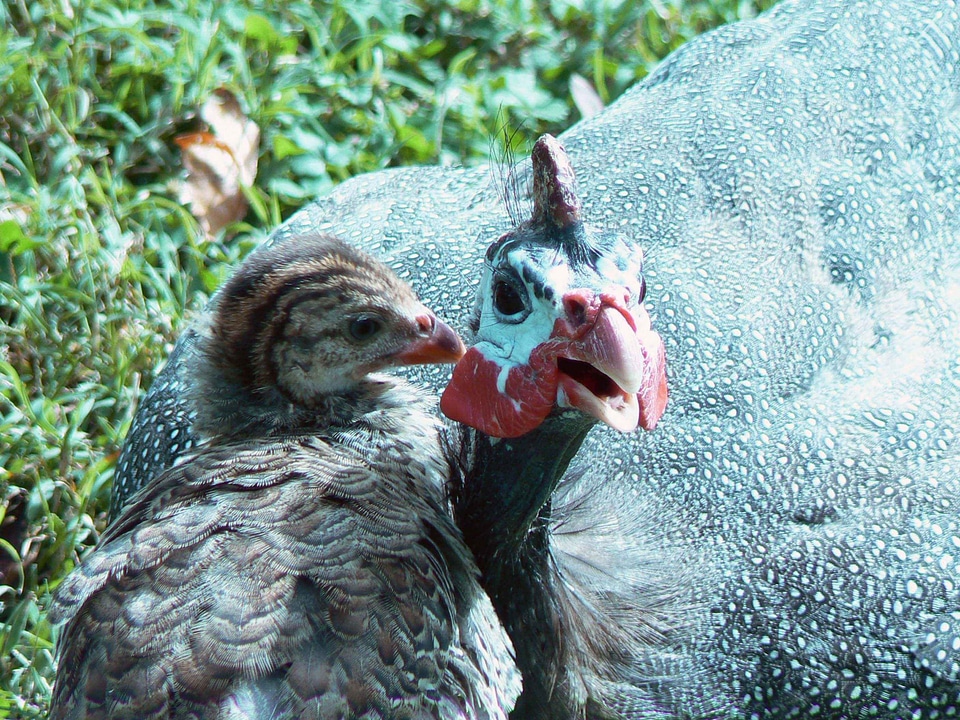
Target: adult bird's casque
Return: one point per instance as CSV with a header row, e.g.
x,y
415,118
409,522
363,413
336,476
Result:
x,y
783,544
300,562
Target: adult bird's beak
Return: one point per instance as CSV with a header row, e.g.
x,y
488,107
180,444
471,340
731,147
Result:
x,y
437,343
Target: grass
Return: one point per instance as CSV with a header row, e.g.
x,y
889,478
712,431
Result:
x,y
100,263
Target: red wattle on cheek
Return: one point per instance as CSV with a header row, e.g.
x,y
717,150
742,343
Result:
x,y
472,396
653,393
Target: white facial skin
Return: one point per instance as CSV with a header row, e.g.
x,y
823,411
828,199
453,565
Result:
x,y
510,343
537,303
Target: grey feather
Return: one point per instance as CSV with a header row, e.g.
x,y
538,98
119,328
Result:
x,y
301,561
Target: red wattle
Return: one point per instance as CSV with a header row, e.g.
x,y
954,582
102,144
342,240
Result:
x,y
653,389
472,397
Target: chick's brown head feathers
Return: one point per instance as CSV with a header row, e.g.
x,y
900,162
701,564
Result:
x,y
299,327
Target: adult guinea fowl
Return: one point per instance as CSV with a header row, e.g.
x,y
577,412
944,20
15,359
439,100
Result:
x,y
301,563
793,182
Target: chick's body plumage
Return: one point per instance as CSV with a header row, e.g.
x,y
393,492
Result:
x,y
301,562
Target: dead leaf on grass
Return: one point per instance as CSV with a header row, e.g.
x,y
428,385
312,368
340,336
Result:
x,y
219,163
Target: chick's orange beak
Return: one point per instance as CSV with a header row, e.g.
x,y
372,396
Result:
x,y
437,343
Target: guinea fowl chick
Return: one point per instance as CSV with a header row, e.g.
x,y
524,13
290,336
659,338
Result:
x,y
301,563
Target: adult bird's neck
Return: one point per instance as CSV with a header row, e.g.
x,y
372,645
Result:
x,y
502,506
507,484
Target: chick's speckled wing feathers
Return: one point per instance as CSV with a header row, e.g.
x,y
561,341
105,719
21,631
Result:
x,y
281,574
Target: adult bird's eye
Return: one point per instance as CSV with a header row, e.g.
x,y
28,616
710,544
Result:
x,y
506,299
364,327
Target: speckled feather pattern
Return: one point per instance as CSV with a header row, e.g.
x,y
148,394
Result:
x,y
292,573
301,561
794,183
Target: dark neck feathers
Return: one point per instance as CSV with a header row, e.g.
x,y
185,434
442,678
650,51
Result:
x,y
502,504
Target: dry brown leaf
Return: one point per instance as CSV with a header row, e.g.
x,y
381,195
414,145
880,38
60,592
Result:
x,y
219,163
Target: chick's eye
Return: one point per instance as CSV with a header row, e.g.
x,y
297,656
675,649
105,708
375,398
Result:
x,y
364,327
506,299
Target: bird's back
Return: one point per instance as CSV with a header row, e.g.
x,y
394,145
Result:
x,y
798,205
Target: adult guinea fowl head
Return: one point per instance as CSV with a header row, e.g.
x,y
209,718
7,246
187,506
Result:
x,y
301,563
559,321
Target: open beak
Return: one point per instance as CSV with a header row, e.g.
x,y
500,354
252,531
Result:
x,y
615,371
437,343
